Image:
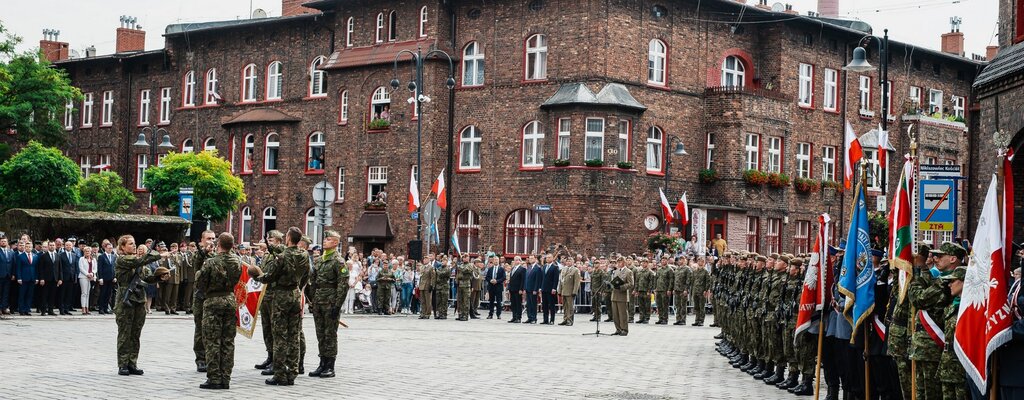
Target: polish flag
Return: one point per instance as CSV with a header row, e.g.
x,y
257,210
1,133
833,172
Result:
x,y
666,209
817,280
439,190
853,154
414,192
683,207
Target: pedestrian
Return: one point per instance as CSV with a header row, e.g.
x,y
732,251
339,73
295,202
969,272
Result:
x,y
495,278
130,310
516,290
220,275
549,289
534,279
86,273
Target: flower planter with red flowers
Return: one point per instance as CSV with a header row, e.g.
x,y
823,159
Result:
x,y
754,177
778,180
806,186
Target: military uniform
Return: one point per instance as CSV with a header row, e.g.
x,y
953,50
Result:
x,y
663,281
474,294
465,282
568,284
644,284
385,283
598,285
681,292
700,282
898,337
289,269
426,285
930,299
330,287
198,297
619,298
220,275
169,288
130,307
951,371
442,275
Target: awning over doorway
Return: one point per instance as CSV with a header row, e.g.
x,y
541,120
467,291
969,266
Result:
x,y
373,226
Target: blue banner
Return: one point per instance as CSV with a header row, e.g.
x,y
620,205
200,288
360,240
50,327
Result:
x,y
185,206
857,276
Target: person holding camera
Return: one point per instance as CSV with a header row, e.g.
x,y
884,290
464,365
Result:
x,y
130,310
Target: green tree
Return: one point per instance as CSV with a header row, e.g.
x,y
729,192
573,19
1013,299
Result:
x,y
38,177
104,191
217,192
32,94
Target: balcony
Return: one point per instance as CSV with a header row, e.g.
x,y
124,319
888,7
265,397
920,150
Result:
x,y
731,105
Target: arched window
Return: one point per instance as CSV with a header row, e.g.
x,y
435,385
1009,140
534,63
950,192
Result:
x,y
269,220
472,65
188,97
536,57
533,146
423,21
655,139
343,107
250,146
380,104
380,29
315,154
209,145
469,149
187,146
312,228
523,232
392,26
733,72
272,146
211,97
274,81
467,231
249,83
350,29
656,58
316,78
245,229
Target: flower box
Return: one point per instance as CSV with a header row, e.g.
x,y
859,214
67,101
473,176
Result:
x,y
778,180
624,165
707,176
754,177
561,162
378,124
375,206
594,163
806,186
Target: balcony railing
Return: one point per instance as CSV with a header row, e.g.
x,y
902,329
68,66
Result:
x,y
753,91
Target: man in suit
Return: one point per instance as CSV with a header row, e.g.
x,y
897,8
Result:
x,y
495,278
568,285
25,266
516,289
6,267
67,262
106,279
49,279
534,279
550,289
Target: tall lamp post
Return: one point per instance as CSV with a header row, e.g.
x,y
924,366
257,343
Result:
x,y
165,143
678,151
860,64
418,98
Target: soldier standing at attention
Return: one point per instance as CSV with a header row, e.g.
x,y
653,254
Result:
x,y
385,281
598,286
897,320
930,297
700,287
568,284
475,287
464,278
130,309
631,305
644,283
622,286
951,371
330,286
426,285
188,277
203,251
169,289
274,249
663,290
680,290
291,268
220,275
442,274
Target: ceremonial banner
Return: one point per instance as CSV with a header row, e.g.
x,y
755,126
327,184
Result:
x,y
853,153
666,209
900,228
248,296
857,276
816,280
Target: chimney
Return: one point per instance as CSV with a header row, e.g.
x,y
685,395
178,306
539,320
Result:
x,y
53,49
828,8
790,10
953,42
90,51
763,4
130,36
294,7
990,52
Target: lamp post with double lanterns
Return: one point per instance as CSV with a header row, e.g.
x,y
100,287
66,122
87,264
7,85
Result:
x,y
152,145
678,151
860,64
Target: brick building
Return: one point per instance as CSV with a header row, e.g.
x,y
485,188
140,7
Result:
x,y
574,105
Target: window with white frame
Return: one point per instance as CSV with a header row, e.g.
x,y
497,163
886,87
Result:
x,y
269,220
245,230
392,26
828,163
343,108
380,29
831,90
657,54
144,107
469,148
142,162
655,138
888,99
874,169
958,106
803,160
104,163
533,145
915,96
209,145
249,83
423,21
733,72
380,104
523,232
594,139
247,152
188,98
752,150
536,57
69,115
107,113
865,95
165,105
313,229
350,29
211,97
774,154
772,235
806,98
801,237
934,101
564,138
472,65
316,78
623,145
376,182
274,84
187,146
315,152
341,184
753,234
709,155
85,164
87,103
467,231
272,147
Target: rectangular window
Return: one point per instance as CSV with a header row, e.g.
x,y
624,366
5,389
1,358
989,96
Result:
x,y
801,237
774,154
828,163
709,158
165,105
107,116
806,98
958,106
623,140
594,139
87,110
874,169
888,100
915,96
69,115
144,107
772,236
803,160
753,151
341,184
831,90
85,164
564,126
753,234
140,171
935,101
865,96
377,180
104,163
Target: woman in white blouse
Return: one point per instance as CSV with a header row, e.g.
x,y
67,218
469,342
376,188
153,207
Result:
x,y
87,270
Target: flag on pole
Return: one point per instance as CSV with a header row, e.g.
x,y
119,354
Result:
x,y
983,323
683,207
884,146
852,155
439,190
455,243
857,276
666,209
1008,208
900,228
414,192
248,296
817,279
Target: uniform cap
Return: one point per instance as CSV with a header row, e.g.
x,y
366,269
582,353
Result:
x,y
306,239
797,261
950,248
333,234
276,234
958,274
786,257
762,258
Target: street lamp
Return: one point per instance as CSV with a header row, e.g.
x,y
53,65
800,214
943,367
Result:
x,y
860,64
418,98
165,143
678,151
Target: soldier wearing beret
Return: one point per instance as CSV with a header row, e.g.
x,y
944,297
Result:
x,y
931,297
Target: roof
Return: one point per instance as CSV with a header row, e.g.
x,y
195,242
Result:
x,y
95,216
193,27
264,114
613,94
113,57
377,54
91,225
372,225
1009,61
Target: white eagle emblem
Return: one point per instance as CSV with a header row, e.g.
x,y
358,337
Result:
x,y
977,284
811,277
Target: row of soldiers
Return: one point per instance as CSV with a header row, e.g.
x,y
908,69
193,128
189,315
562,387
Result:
x,y
671,281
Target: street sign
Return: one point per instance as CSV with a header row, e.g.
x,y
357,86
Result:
x,y
542,207
937,199
323,194
928,169
415,215
431,211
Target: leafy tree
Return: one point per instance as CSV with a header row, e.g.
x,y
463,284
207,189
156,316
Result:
x,y
104,191
38,177
216,191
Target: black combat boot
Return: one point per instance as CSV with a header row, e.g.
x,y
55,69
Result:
x,y
749,365
200,366
780,375
758,369
766,370
302,364
269,371
328,371
266,363
792,381
720,336
808,388
274,381
134,370
319,369
122,370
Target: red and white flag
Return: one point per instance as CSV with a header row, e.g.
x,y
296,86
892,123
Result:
x,y
817,279
439,190
852,155
901,228
884,147
683,207
983,322
414,192
248,295
666,209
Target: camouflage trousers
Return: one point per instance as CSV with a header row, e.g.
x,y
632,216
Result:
x,y
699,301
595,304
265,323
286,325
788,349
771,341
662,299
644,300
198,346
219,337
927,377
325,318
954,391
130,320
681,304
384,297
441,302
464,301
754,336
903,370
807,353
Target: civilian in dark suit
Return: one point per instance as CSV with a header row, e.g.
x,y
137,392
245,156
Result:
x,y
49,278
25,265
106,277
516,280
495,278
534,278
549,288
6,274
67,260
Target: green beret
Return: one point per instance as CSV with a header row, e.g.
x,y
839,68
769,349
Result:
x,y
786,257
333,234
306,239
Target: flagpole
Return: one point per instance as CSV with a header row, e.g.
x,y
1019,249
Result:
x,y
867,366
821,337
913,250
999,200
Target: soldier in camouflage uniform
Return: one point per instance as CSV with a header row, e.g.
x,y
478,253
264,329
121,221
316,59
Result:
x,y
130,307
203,251
464,278
897,320
663,280
930,297
219,277
755,317
443,274
598,287
330,286
290,269
700,284
790,305
680,290
951,371
274,248
476,284
385,282
644,284
774,322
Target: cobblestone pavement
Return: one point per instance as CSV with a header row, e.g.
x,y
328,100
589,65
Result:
x,y
384,357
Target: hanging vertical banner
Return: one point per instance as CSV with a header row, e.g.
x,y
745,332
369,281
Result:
x,y
185,208
699,224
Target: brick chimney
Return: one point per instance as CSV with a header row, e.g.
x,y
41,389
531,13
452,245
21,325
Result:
x,y
790,10
130,36
953,42
294,7
990,52
828,8
763,4
53,50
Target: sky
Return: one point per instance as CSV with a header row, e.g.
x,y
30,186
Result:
x,y
93,22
